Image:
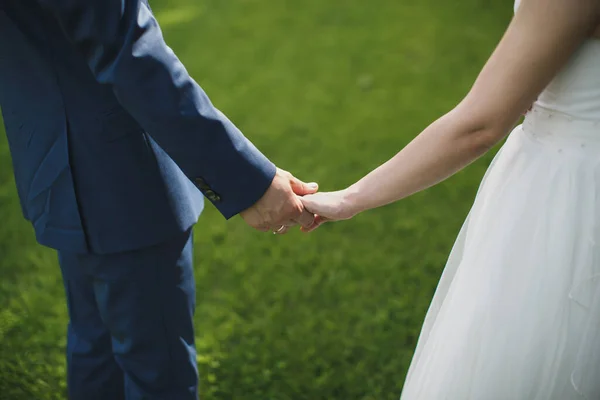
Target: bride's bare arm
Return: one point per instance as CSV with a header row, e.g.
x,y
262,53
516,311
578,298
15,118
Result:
x,y
539,41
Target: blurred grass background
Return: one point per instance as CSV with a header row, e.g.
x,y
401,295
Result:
x,y
328,90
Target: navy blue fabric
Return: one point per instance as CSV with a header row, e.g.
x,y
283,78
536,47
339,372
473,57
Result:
x,y
130,334
113,143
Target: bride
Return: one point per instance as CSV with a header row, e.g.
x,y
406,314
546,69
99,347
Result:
x,y
516,315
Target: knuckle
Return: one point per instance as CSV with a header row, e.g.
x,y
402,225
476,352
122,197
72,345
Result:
x,y
284,172
297,209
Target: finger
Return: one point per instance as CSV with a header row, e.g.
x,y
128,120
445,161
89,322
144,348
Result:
x,y
305,219
262,227
308,203
319,219
283,231
276,227
318,222
302,189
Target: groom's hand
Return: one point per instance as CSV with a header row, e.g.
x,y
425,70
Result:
x,y
280,207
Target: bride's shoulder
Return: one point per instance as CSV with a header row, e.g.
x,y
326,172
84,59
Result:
x,y
595,34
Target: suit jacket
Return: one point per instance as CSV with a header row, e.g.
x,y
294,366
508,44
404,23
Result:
x,y
112,142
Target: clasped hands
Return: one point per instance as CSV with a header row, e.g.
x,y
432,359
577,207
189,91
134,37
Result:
x,y
289,202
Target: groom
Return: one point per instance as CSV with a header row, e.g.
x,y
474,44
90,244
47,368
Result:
x,y
113,147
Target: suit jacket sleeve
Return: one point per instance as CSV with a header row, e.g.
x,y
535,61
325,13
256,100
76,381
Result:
x,y
124,48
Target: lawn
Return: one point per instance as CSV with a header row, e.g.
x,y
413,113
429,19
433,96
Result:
x,y
328,90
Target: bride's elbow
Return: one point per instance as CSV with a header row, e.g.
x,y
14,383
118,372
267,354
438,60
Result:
x,y
481,126
480,134
482,139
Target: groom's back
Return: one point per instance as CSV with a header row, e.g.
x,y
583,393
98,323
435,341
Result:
x,y
77,154
38,62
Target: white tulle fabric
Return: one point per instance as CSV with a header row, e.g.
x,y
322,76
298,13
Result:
x,y
516,315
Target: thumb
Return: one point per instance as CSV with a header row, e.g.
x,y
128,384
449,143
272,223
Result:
x,y
302,189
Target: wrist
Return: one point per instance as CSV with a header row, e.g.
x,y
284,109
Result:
x,y
353,199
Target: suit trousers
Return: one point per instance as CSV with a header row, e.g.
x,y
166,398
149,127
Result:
x,y
130,334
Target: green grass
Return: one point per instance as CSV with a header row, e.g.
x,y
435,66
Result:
x,y
328,89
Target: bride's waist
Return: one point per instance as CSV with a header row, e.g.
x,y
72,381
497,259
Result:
x,y
562,129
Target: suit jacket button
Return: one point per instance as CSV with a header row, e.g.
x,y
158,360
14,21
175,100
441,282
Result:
x,y
201,183
212,196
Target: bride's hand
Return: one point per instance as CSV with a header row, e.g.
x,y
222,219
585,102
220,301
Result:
x,y
328,206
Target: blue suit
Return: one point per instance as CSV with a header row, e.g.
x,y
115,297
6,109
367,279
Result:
x,y
114,148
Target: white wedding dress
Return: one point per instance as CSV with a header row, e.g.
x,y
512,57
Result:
x,y
516,315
